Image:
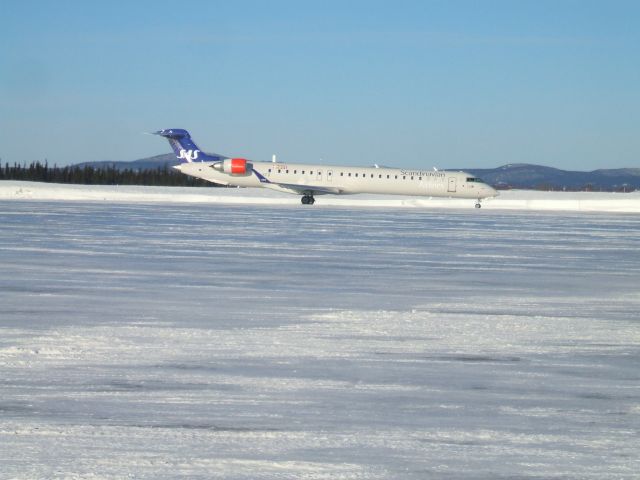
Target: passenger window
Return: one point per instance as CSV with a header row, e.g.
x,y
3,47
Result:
x,y
349,173
356,174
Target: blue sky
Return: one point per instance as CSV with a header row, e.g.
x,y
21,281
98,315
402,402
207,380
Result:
x,y
402,83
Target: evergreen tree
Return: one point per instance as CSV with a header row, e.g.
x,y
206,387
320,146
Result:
x,y
107,175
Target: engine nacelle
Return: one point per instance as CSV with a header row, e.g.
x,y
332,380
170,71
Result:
x,y
234,166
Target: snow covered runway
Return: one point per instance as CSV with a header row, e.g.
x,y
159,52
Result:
x,y
231,341
508,200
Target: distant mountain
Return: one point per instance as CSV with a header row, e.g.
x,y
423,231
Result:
x,y
517,175
150,163
522,175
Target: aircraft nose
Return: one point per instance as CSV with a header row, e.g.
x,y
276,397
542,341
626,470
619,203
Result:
x,y
489,191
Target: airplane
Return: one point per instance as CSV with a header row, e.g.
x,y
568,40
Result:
x,y
310,180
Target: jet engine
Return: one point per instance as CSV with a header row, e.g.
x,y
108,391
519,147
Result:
x,y
234,166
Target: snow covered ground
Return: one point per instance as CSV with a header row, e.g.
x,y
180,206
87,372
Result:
x,y
508,200
164,340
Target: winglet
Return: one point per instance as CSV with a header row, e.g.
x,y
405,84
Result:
x,y
261,177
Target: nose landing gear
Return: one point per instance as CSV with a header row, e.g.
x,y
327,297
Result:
x,y
478,205
308,200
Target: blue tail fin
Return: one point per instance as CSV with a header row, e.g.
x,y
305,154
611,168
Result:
x,y
184,148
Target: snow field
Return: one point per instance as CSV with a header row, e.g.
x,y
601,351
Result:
x,y
204,341
508,200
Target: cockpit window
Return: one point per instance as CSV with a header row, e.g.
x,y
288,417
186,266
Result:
x,y
474,179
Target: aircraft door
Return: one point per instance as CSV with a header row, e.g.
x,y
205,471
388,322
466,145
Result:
x,y
452,184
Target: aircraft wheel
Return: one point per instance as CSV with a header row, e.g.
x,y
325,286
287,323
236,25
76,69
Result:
x,y
305,200
312,200
478,205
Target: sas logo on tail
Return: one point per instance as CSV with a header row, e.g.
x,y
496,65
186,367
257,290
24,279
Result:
x,y
189,155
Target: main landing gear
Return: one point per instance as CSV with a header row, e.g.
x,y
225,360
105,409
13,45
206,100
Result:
x,y
308,200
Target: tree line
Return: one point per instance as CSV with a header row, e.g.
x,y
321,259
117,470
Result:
x,y
103,175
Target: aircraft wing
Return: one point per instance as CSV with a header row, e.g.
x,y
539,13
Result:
x,y
302,189
298,189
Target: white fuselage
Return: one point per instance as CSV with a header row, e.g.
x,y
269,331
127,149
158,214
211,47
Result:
x,y
348,180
